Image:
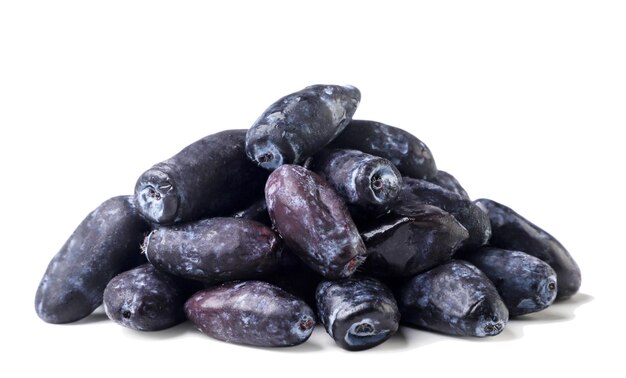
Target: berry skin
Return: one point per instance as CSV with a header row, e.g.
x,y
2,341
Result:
x,y
145,299
358,313
210,177
313,221
449,182
251,313
513,232
409,154
403,246
525,283
454,298
214,250
416,192
369,184
106,243
300,124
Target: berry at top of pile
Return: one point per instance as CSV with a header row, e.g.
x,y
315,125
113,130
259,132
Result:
x,y
300,124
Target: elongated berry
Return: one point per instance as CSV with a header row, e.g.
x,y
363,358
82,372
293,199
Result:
x,y
525,283
251,313
314,221
514,232
300,124
454,298
106,243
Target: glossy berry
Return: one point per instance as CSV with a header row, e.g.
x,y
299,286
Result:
x,y
417,192
402,246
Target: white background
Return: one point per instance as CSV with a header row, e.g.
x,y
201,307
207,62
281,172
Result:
x,y
522,101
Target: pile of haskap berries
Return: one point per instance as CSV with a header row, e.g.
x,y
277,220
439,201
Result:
x,y
257,235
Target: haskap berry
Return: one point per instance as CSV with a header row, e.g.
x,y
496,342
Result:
x,y
367,235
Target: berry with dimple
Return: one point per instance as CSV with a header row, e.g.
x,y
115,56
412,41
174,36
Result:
x,y
107,242
514,232
358,312
210,177
300,124
369,184
251,313
454,298
146,299
525,283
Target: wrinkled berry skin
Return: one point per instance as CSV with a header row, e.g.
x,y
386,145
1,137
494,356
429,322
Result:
x,y
456,299
300,124
449,182
313,221
368,184
106,243
402,246
145,299
416,192
525,283
214,250
409,154
512,231
210,177
256,212
358,313
251,313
